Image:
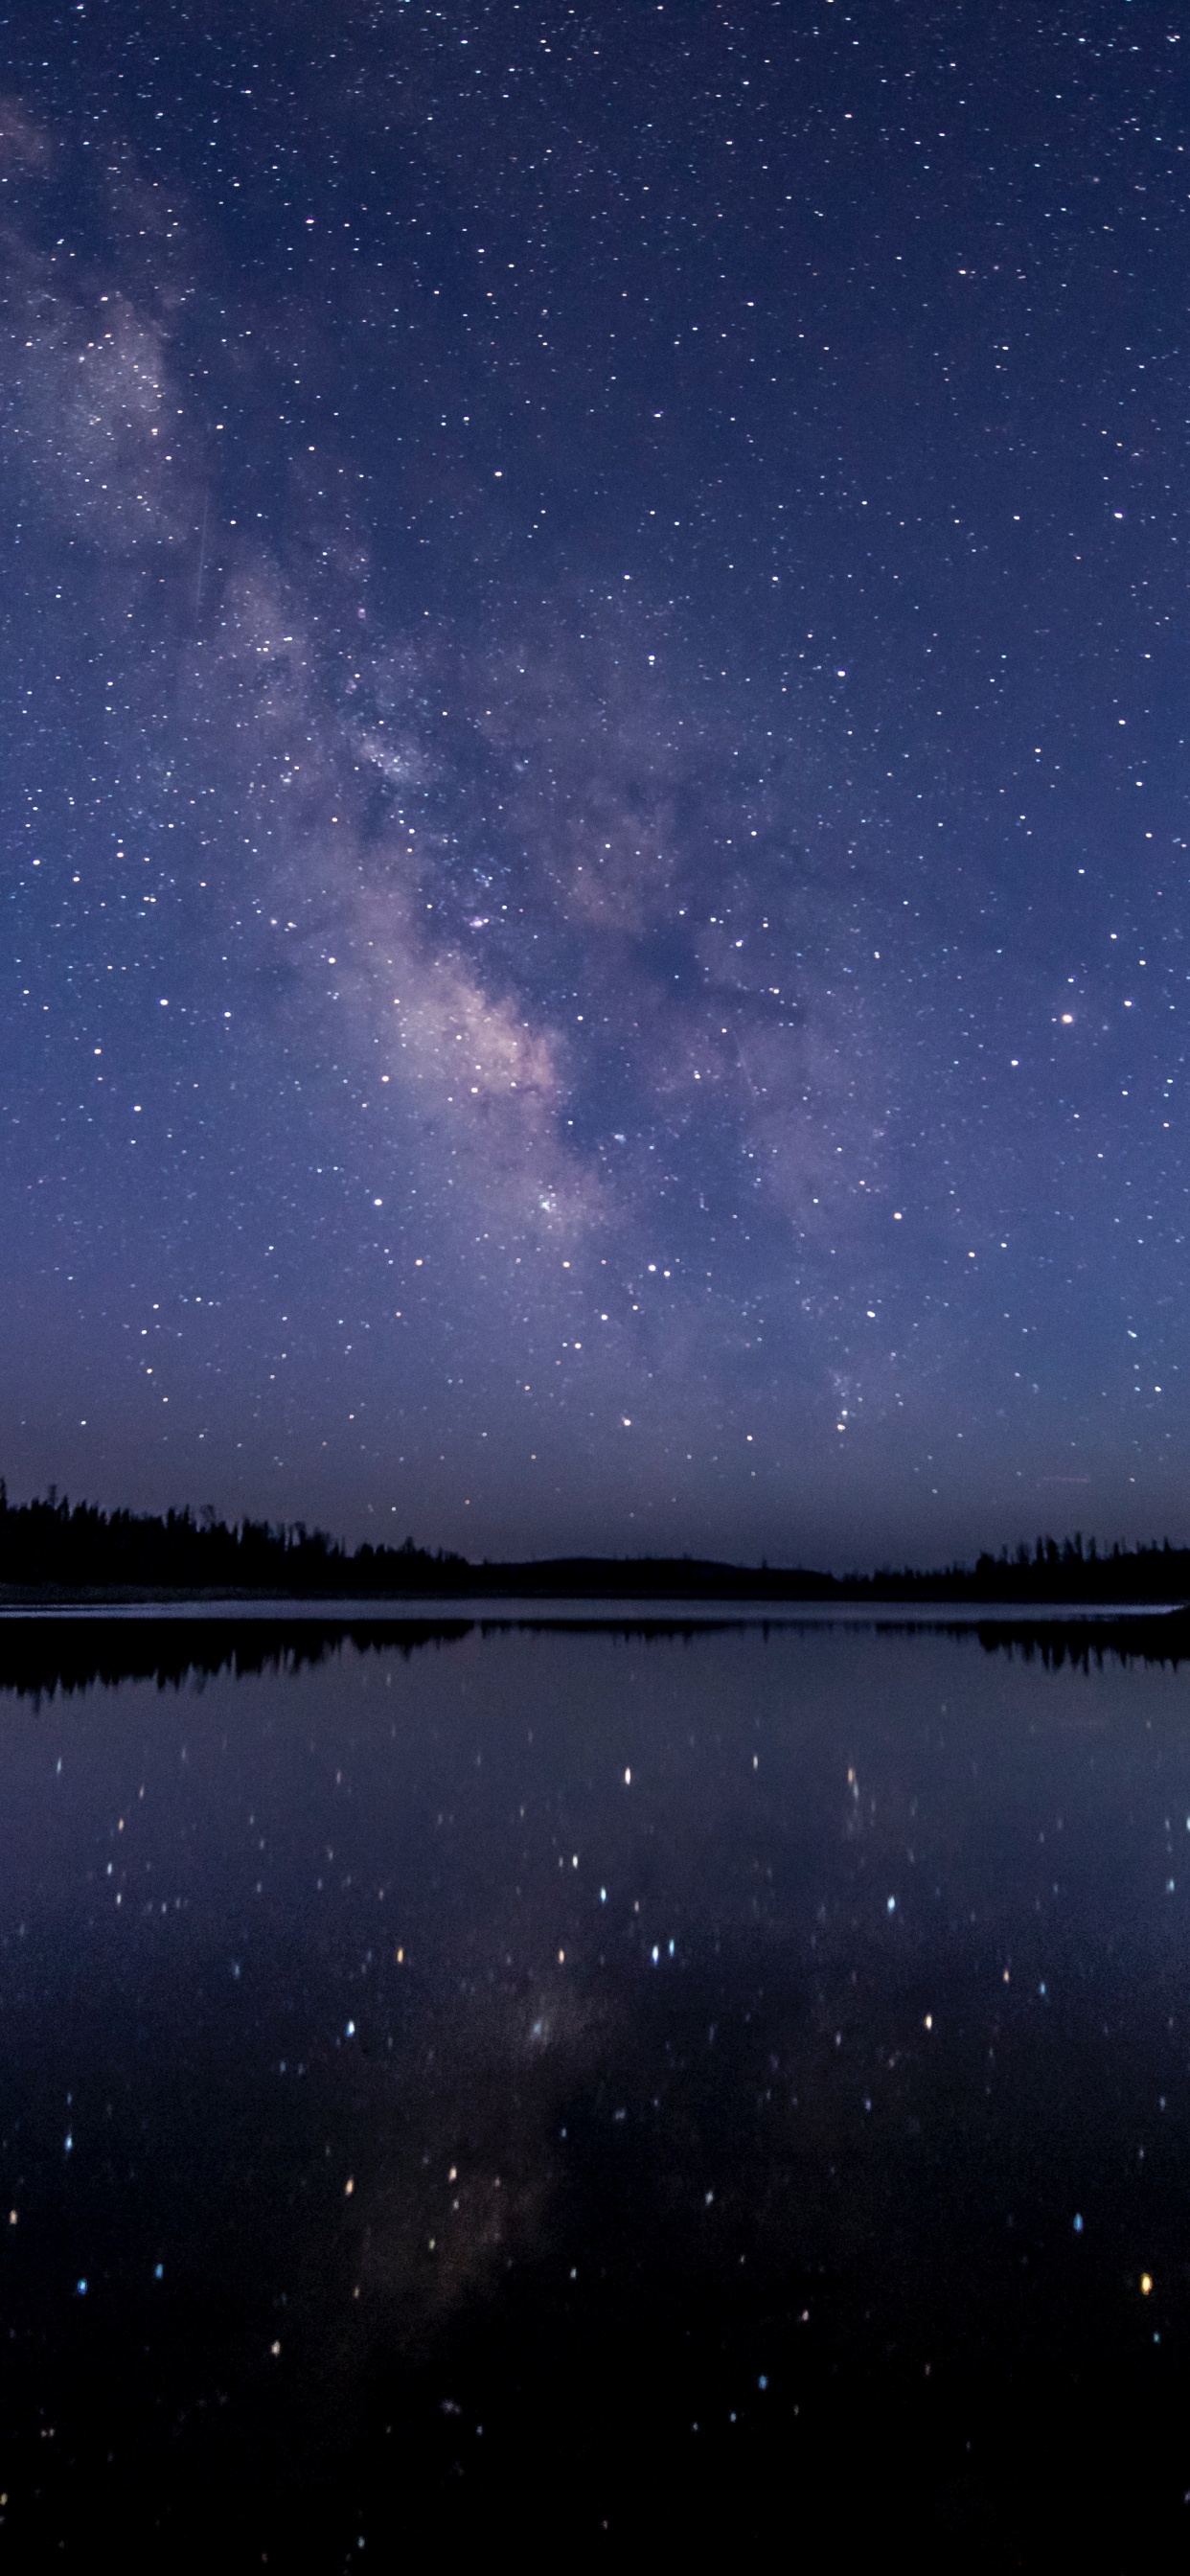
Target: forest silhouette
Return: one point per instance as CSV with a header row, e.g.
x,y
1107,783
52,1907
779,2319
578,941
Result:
x,y
52,1548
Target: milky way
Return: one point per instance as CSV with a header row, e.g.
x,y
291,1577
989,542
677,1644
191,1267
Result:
x,y
594,681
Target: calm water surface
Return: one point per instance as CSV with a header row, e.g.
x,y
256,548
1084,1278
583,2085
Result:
x,y
585,2088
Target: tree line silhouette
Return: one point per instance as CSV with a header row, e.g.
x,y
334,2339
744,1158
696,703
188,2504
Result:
x,y
79,1546
53,1546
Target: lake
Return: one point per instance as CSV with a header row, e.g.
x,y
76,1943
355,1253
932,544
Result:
x,y
591,2086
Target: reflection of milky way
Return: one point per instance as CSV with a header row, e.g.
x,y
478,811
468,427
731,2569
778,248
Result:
x,y
448,2228
588,2038
576,934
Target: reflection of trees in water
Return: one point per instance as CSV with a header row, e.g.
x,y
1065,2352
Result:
x,y
41,1653
39,1656
1090,1642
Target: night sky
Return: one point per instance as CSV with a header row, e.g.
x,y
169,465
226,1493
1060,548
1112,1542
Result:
x,y
594,769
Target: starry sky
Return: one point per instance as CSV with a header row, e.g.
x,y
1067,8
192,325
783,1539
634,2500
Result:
x,y
594,761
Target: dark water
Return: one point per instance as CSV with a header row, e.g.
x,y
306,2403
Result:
x,y
419,2133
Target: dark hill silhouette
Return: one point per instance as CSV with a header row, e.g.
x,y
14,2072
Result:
x,y
52,1547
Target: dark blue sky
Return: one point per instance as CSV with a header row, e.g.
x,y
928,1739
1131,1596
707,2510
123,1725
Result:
x,y
594,813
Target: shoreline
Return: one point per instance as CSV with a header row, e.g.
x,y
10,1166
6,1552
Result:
x,y
257,1601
